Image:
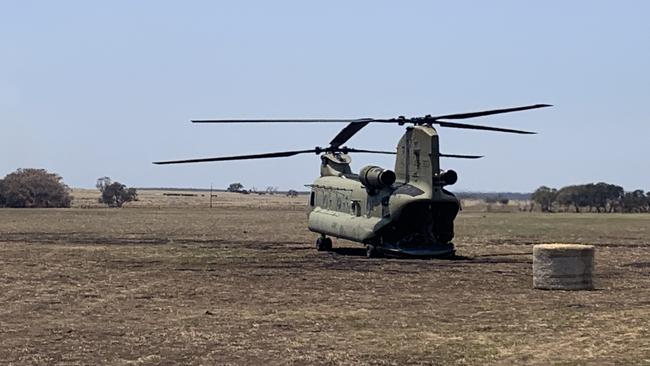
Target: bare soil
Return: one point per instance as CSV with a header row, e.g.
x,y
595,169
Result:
x,y
242,284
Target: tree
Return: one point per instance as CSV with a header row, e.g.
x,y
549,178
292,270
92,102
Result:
x,y
635,201
116,194
271,190
545,197
602,196
102,183
28,188
235,187
608,196
571,196
2,200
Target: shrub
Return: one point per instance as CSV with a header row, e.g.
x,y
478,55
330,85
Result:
x,y
34,188
115,194
235,187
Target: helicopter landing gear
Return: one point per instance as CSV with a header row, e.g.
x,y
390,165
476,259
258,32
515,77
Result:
x,y
373,252
324,244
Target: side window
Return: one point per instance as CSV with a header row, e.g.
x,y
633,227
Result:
x,y
312,198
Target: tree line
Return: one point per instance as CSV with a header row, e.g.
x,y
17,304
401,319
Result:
x,y
599,197
239,188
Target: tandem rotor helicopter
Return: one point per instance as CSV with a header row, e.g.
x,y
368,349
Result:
x,y
402,212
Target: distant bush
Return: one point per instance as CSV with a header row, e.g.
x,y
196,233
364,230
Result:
x,y
235,187
115,194
34,188
490,199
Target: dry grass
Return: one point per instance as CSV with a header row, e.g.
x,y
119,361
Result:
x,y
88,198
165,281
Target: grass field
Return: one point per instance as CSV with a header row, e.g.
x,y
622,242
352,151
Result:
x,y
169,281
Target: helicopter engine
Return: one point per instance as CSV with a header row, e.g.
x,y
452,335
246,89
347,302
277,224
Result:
x,y
375,177
449,177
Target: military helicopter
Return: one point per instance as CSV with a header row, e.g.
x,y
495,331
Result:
x,y
402,212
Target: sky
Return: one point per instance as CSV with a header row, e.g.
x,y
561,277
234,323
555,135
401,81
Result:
x,y
92,89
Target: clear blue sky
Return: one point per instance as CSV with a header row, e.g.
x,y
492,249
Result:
x,y
89,89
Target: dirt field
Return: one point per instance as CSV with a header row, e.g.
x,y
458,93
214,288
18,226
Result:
x,y
168,281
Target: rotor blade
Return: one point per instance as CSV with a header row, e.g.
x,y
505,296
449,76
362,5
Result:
x,y
490,112
315,120
389,120
281,154
368,151
347,132
479,127
460,156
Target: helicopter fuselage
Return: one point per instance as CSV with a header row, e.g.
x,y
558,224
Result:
x,y
406,211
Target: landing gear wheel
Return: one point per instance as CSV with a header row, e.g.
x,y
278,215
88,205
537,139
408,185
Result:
x,y
372,251
324,244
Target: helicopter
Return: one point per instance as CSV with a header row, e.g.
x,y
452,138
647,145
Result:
x,y
406,211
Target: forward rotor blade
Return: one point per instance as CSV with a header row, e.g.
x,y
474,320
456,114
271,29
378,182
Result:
x,y
460,156
314,120
281,154
479,127
347,132
490,112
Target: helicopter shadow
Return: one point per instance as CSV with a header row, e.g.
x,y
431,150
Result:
x,y
350,252
479,259
361,252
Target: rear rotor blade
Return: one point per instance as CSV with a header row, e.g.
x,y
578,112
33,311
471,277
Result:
x,y
479,127
489,112
355,125
281,154
460,156
384,120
